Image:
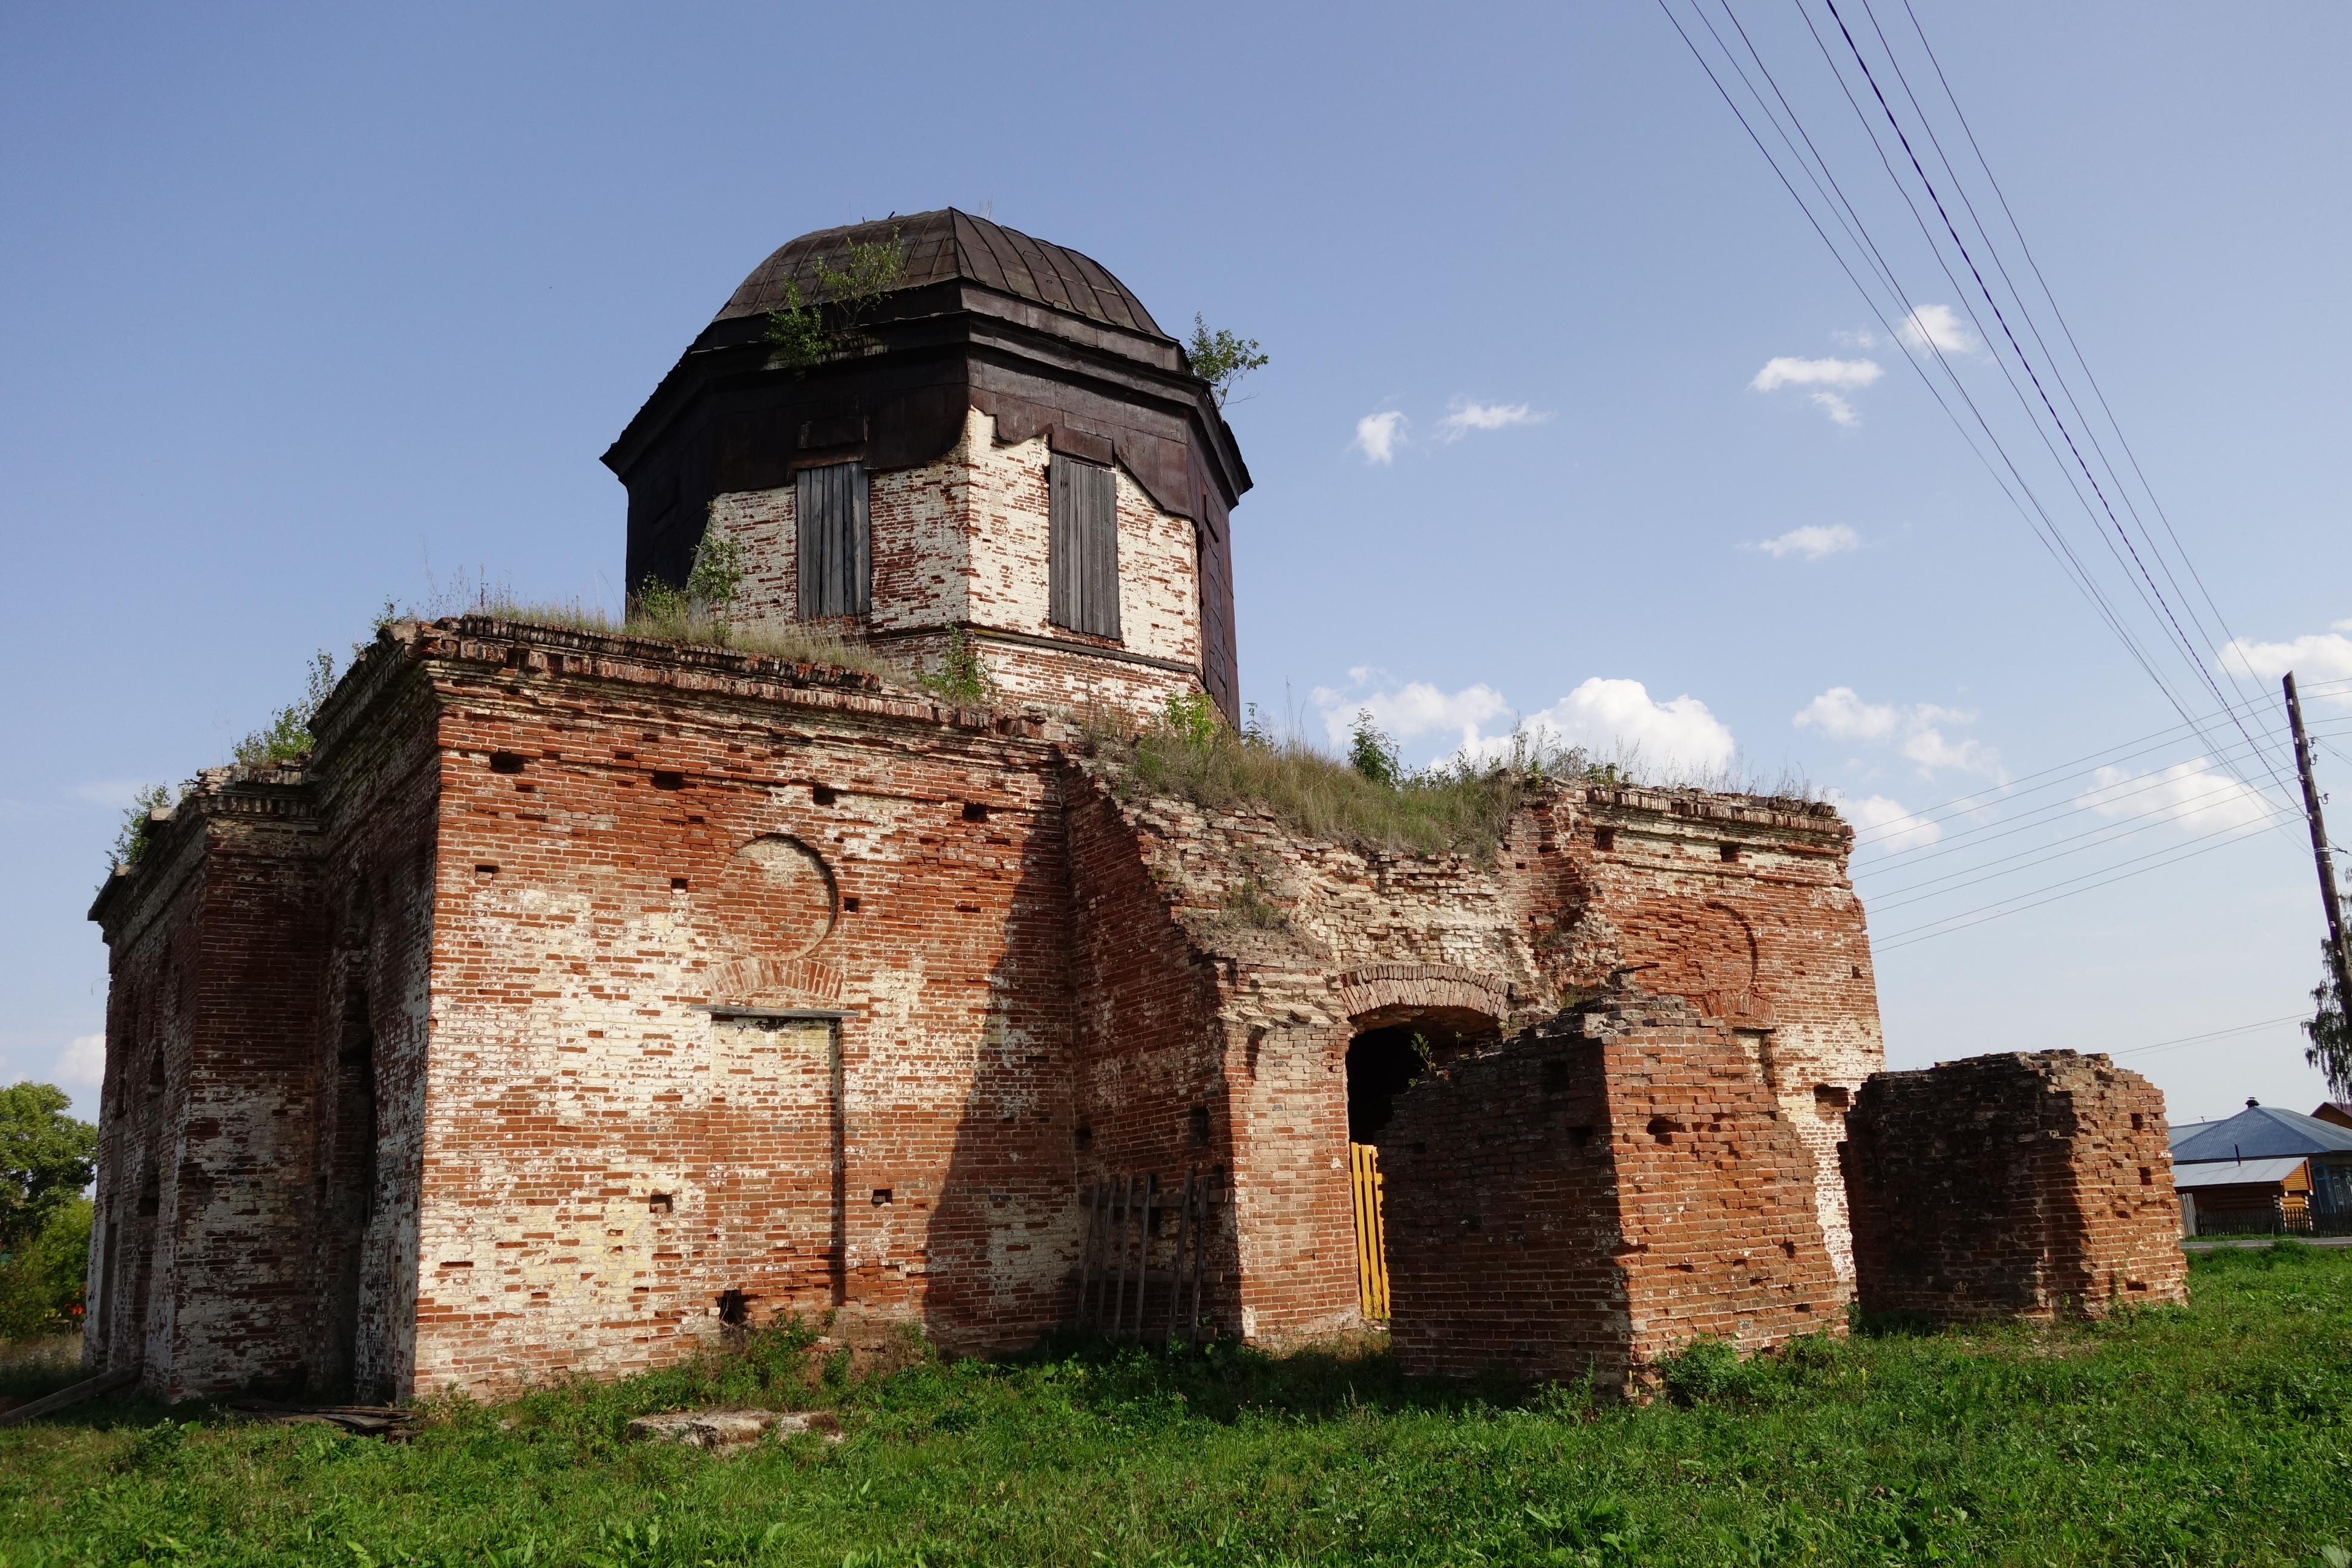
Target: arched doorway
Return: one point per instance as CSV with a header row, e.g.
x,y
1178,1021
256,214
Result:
x,y
1389,1051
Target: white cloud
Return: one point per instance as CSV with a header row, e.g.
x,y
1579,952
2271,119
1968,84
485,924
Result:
x,y
1926,746
1412,710
1841,714
1813,541
1840,373
82,1062
1609,716
1863,339
1840,411
1378,436
2314,658
1935,326
2189,793
1469,416
1885,825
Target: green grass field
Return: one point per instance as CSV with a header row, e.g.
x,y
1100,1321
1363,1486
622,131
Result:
x,y
2218,1433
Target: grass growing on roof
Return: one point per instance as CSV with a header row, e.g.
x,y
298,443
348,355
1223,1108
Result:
x,y
691,626
1463,807
701,615
2218,1433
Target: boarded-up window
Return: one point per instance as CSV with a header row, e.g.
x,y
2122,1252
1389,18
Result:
x,y
836,567
1085,548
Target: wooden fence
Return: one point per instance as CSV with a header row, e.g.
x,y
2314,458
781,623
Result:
x,y
1127,1256
1372,1231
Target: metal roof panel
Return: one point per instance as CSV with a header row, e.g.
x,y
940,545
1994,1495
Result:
x,y
2234,1172
2264,1132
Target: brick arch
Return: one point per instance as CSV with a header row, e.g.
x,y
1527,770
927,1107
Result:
x,y
1379,993
778,983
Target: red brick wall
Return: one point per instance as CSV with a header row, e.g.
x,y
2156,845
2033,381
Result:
x,y
1147,1043
2012,1186
1595,1193
1588,881
557,867
377,773
1503,1230
1772,941
207,1095
578,1071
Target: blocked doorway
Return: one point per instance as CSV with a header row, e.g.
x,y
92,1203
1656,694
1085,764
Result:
x,y
772,1210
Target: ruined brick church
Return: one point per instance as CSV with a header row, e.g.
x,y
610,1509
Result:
x,y
580,996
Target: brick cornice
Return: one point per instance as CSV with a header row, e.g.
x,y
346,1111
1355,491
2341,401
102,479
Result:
x,y
482,644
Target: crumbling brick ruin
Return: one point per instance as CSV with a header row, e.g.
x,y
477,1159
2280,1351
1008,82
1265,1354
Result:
x,y
2012,1186
580,996
1595,1193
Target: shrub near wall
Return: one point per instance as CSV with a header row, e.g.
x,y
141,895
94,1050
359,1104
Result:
x,y
41,1280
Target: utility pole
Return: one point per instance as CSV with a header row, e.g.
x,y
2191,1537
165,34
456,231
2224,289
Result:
x,y
2336,956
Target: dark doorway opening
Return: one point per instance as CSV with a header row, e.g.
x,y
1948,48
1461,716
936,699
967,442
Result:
x,y
1384,1062
351,1188
1381,1065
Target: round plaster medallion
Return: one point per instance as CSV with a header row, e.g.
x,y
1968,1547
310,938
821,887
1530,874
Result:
x,y
783,893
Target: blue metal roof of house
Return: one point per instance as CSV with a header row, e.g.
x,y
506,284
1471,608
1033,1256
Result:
x,y
2183,1132
2261,1132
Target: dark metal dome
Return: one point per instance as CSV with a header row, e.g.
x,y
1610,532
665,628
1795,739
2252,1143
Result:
x,y
947,244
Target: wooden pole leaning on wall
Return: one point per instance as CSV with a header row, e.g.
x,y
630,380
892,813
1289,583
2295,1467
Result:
x,y
1087,1247
1202,1230
1109,1321
1117,1241
1150,1186
1176,1259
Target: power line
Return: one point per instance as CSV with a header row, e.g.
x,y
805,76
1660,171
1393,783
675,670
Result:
x,y
2033,264
2046,529
1844,216
1927,932
2012,791
2025,308
2044,816
1997,825
1895,898
2211,1035
2151,596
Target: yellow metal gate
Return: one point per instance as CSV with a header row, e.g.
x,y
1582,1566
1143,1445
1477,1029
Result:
x,y
1371,1232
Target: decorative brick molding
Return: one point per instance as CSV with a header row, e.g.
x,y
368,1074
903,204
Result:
x,y
1400,990
777,982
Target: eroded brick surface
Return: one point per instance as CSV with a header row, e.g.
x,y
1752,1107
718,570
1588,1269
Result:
x,y
197,1267
1768,940
964,541
1596,1192
643,988
2012,1186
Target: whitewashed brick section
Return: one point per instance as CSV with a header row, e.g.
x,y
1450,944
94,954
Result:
x,y
967,540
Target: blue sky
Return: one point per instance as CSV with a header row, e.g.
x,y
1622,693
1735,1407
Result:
x,y
302,310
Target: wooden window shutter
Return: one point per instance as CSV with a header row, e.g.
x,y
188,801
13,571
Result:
x,y
836,549
1083,548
